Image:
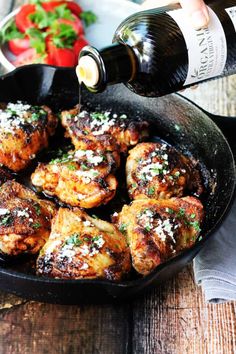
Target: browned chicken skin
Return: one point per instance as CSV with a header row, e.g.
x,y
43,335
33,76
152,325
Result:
x,y
155,225
80,178
24,131
158,171
25,220
157,230
83,247
127,132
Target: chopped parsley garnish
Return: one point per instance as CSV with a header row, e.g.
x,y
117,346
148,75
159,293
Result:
x,y
74,240
63,35
37,225
96,238
151,190
156,170
123,228
71,167
95,173
37,40
95,216
170,211
195,225
83,166
34,117
181,212
10,32
87,239
6,220
88,17
40,17
37,208
192,216
65,157
44,19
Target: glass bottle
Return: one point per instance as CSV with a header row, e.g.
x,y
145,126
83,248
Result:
x,y
157,52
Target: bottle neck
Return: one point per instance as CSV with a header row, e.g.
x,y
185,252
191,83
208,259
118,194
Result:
x,y
115,63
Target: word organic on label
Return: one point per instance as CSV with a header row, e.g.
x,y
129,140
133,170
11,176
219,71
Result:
x,y
207,48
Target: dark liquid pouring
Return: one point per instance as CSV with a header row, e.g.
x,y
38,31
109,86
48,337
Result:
x,y
80,86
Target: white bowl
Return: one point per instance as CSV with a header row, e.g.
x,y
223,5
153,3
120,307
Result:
x,y
110,14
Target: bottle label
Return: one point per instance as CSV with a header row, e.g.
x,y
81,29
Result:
x,y
207,48
231,11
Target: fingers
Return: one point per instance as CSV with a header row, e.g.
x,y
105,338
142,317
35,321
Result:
x,y
152,4
197,11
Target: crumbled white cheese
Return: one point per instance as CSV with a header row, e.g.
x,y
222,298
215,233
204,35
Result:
x,y
163,147
18,107
87,175
84,266
86,180
79,153
8,123
152,170
53,245
54,168
99,242
93,251
22,213
92,156
67,252
165,228
165,157
80,197
146,219
87,223
84,250
103,123
4,211
82,114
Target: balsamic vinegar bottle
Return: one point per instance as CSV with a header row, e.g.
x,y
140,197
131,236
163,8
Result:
x,y
156,52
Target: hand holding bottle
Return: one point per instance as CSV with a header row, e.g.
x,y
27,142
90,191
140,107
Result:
x,y
158,52
196,9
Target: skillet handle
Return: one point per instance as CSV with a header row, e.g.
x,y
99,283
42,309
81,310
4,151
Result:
x,y
226,124
228,127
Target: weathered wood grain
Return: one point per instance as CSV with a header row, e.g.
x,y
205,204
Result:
x,y
217,96
172,319
36,328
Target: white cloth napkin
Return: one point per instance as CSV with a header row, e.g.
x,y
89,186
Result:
x,y
215,265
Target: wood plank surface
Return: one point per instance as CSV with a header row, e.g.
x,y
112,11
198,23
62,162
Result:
x,y
171,319
36,328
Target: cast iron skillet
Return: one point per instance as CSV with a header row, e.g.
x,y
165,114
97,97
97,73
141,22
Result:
x,y
173,118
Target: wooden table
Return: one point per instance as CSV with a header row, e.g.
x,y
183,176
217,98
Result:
x,y
171,319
